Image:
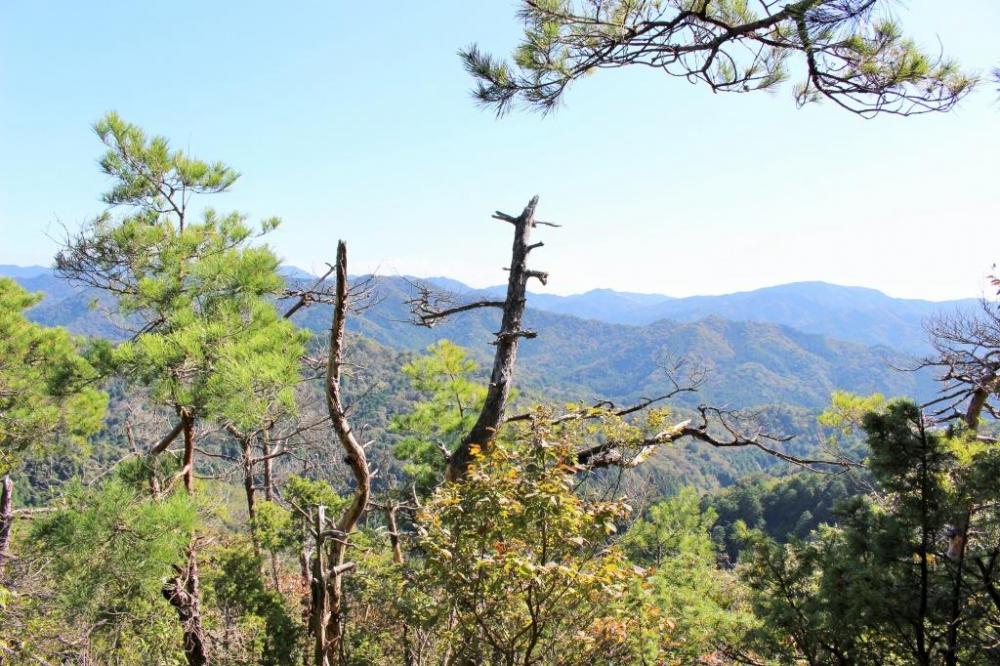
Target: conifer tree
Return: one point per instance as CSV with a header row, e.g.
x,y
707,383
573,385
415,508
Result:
x,y
197,296
48,395
48,392
906,576
850,51
436,425
195,292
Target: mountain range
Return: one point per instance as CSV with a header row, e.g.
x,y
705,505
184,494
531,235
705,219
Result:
x,y
607,344
856,314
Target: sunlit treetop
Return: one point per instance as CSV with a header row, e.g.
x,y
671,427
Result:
x,y
149,174
196,288
848,51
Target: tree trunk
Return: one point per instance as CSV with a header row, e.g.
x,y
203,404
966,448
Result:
x,y
248,485
397,557
320,608
182,591
951,637
187,425
976,403
491,416
162,445
920,626
306,576
354,457
266,455
397,550
6,518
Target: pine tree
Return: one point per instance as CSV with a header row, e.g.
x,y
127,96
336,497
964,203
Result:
x,y
197,293
850,53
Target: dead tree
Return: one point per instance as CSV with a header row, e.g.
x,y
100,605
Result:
x,y
427,313
392,526
966,362
273,441
717,427
391,508
329,565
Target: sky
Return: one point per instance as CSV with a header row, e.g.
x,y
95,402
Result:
x,y
354,120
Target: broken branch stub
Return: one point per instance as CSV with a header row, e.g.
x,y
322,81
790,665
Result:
x,y
491,416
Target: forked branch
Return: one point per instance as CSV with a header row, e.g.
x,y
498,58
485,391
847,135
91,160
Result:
x,y
430,306
718,427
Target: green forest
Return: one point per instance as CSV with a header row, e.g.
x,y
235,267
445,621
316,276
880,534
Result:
x,y
207,460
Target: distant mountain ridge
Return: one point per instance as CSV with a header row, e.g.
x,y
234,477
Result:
x,y
856,314
750,363
8,270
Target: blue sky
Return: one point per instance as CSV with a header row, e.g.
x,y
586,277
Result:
x,y
353,120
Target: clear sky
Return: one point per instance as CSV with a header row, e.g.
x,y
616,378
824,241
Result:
x,y
353,120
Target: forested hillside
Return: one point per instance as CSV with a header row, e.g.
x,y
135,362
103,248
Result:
x,y
854,314
748,363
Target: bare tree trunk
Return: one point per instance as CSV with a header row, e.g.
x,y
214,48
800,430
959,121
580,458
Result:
x,y
269,496
355,458
390,517
327,621
491,416
187,425
320,607
951,636
308,579
397,557
920,624
976,403
6,518
265,444
182,592
248,485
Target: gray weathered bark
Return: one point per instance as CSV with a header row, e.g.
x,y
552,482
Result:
x,y
320,606
330,633
483,433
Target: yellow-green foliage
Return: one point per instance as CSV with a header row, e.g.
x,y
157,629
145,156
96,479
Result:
x,y
198,290
107,551
443,377
519,568
47,394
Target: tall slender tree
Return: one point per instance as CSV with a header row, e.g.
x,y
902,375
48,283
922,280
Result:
x,y
197,297
196,294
